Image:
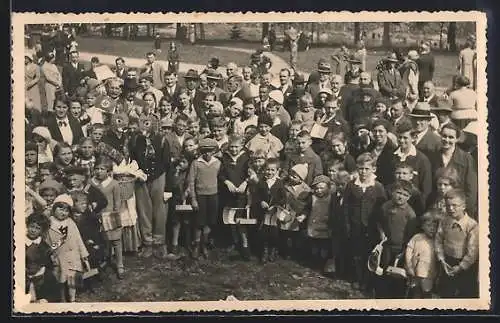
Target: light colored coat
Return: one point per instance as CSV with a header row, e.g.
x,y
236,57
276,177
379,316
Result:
x,y
53,80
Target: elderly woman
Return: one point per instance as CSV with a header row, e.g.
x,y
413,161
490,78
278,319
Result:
x,y
31,80
463,97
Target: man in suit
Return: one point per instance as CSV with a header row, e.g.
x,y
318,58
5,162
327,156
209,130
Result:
x,y
426,66
63,127
263,100
213,78
285,84
324,70
172,88
235,90
426,140
191,80
94,62
72,73
398,113
389,80
121,69
155,69
429,94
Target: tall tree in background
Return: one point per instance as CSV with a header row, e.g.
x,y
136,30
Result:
x,y
178,31
452,36
386,39
265,29
357,32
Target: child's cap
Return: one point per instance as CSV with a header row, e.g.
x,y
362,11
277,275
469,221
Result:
x,y
265,119
75,170
50,184
402,185
42,132
64,199
39,219
321,179
29,146
208,143
300,170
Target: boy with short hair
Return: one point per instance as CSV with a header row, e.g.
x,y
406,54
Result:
x,y
457,249
219,134
307,156
404,172
363,199
397,224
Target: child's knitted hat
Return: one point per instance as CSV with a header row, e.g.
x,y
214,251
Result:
x,y
65,199
321,179
208,143
300,170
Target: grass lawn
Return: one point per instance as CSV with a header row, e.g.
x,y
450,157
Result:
x,y
138,49
445,63
214,279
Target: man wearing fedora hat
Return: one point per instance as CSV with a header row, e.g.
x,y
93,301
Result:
x,y
213,79
196,96
354,68
426,140
389,80
426,66
324,69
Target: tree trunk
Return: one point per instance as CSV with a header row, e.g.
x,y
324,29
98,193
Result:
x,y
265,30
452,36
441,25
148,29
202,31
386,40
357,32
178,31
313,30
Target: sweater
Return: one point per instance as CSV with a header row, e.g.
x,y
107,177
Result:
x,y
202,177
398,223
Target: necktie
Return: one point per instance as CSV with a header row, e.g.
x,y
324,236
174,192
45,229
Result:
x,y
62,123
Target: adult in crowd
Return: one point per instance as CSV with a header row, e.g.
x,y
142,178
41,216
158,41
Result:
x,y
324,69
285,85
466,60
426,140
213,79
120,68
429,94
463,98
172,89
196,96
451,156
72,73
90,73
410,78
389,80
32,80
383,150
155,69
53,80
426,66
62,125
146,86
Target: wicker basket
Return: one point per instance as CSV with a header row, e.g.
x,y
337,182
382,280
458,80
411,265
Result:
x,y
126,183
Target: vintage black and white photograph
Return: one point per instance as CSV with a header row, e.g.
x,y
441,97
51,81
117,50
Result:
x,y
314,157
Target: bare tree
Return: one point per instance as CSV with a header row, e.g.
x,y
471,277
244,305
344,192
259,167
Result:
x,y
265,29
357,32
452,36
386,40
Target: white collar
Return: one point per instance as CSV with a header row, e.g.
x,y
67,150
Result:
x,y
29,242
270,182
369,182
402,156
235,158
65,119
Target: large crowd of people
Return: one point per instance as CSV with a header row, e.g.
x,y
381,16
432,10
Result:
x,y
375,183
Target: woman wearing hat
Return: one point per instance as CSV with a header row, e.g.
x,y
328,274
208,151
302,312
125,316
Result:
x,y
389,80
354,68
213,80
31,79
443,112
53,79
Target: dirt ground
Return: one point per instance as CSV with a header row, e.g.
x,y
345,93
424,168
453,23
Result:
x,y
212,279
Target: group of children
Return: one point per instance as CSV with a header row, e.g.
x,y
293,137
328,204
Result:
x,y
240,175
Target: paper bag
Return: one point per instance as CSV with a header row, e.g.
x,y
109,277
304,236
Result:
x,y
103,72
